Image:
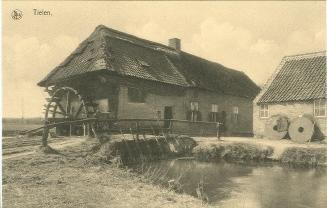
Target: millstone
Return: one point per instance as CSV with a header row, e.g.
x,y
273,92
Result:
x,y
301,129
276,127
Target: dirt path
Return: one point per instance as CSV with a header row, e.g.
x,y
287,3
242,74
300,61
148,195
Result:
x,y
55,145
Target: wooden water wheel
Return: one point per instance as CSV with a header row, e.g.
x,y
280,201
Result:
x,y
66,104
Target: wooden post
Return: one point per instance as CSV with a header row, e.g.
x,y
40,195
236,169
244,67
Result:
x,y
70,130
130,129
170,130
45,134
153,131
218,132
91,130
88,129
137,130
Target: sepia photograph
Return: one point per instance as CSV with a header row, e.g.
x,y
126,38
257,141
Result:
x,y
179,104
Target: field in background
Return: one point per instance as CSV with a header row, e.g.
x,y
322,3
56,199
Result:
x,y
12,126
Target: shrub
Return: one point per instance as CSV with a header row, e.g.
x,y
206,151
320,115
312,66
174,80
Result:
x,y
304,156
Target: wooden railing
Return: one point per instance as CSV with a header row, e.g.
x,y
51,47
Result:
x,y
173,126
137,127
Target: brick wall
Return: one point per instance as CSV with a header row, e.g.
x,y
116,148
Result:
x,y
226,103
181,104
291,110
149,109
159,95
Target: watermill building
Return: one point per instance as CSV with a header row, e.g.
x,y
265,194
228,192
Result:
x,y
125,77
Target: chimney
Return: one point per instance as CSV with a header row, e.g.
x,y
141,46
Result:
x,y
175,43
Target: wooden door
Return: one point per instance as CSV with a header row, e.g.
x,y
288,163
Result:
x,y
168,114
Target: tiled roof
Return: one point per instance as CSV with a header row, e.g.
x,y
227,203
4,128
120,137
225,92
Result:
x,y
298,78
126,55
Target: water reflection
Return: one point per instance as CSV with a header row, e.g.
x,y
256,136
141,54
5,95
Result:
x,y
237,185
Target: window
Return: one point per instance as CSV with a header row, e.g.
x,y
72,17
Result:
x,y
214,113
235,114
320,107
194,113
214,108
264,111
194,106
135,95
103,105
235,110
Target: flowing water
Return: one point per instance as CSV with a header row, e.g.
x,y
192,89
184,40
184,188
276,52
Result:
x,y
240,185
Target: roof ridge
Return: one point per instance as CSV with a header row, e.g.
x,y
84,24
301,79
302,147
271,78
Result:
x,y
99,27
214,62
305,55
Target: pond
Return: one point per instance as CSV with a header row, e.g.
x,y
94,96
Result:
x,y
241,185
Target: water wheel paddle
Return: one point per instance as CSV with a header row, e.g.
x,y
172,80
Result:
x,y
66,104
276,127
301,129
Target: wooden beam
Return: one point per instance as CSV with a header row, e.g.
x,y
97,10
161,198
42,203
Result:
x,y
79,110
61,108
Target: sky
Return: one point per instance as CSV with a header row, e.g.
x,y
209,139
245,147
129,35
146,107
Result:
x,y
248,36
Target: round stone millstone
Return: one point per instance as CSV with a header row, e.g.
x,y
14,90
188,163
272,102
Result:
x,y
301,129
276,127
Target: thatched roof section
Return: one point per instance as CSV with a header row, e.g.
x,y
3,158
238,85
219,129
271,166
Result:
x,y
126,55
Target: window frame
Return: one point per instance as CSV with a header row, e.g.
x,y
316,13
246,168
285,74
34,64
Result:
x,y
213,116
194,111
235,110
235,114
216,108
264,110
196,107
319,108
102,101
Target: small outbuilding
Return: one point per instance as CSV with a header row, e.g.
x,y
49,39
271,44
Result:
x,y
297,88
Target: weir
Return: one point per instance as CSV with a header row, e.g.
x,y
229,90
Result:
x,y
150,149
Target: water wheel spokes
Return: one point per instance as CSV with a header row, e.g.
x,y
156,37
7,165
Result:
x,y
66,104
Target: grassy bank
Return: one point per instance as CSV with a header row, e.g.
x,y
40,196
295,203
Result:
x,y
77,178
250,149
304,156
232,152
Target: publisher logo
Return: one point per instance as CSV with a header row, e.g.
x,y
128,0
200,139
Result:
x,y
16,14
